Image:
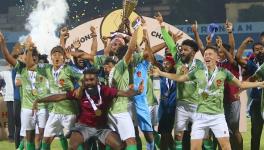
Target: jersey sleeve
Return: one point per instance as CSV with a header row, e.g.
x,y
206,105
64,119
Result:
x,y
229,76
70,95
99,61
260,72
169,42
19,66
192,75
137,58
121,67
73,73
110,92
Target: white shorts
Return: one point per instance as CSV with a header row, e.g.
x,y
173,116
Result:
x,y
123,124
154,114
23,132
132,111
58,124
29,121
203,122
183,115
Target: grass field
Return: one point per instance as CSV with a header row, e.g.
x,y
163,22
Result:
x,y
4,145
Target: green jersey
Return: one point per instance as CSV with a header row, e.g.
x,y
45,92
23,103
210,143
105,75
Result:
x,y
34,86
61,81
211,92
152,100
99,61
185,91
260,75
119,78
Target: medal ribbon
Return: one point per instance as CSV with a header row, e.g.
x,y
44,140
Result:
x,y
169,83
32,79
110,77
94,105
192,65
210,81
56,73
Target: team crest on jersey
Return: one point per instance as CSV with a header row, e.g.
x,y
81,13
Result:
x,y
219,82
61,82
139,74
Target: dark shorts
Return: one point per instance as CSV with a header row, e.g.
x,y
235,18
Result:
x,y
88,132
232,115
166,123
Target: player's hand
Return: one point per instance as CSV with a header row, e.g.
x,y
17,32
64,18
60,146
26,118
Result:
x,y
35,107
261,84
184,69
29,45
68,53
64,33
248,41
195,27
176,37
76,44
141,87
228,26
2,39
208,39
93,31
155,71
219,41
159,18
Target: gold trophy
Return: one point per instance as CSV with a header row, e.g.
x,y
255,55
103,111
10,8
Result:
x,y
128,7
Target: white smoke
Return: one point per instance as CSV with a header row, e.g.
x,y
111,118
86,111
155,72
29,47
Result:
x,y
43,23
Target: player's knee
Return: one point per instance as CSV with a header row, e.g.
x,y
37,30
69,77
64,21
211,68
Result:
x,y
73,145
131,141
178,136
118,145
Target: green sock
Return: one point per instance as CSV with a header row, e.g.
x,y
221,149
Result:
x,y
45,146
208,144
30,146
178,145
80,147
107,147
156,139
64,143
131,147
21,145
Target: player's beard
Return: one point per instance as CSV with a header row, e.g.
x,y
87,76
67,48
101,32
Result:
x,y
120,53
92,90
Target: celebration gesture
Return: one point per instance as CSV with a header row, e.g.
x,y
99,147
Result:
x,y
76,44
159,18
247,41
92,29
219,41
228,26
155,71
176,37
208,39
2,39
64,33
195,27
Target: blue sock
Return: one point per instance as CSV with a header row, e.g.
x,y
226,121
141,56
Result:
x,y
150,146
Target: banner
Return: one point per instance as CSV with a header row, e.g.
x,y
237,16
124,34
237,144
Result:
x,y
110,23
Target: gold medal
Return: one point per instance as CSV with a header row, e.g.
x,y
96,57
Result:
x,y
34,92
98,112
205,95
